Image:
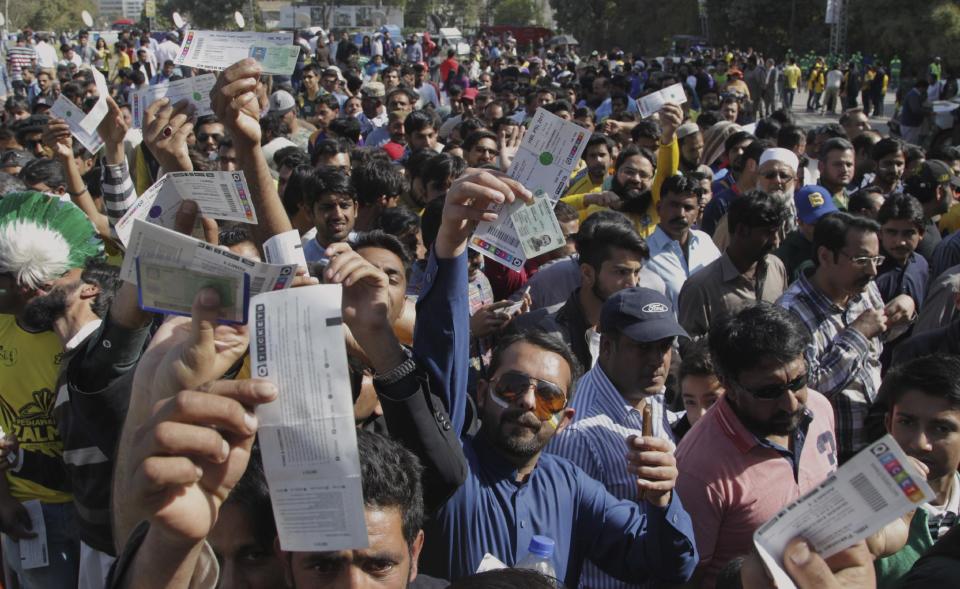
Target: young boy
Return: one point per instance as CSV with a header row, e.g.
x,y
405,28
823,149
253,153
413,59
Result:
x,y
922,398
699,386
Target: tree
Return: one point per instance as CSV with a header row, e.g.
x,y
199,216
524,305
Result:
x,y
47,15
205,14
633,25
516,12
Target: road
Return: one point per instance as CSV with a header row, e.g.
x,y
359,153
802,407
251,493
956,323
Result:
x,y
808,119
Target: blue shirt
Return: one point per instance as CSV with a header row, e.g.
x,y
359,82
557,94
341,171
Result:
x,y
716,209
946,255
493,513
894,280
669,263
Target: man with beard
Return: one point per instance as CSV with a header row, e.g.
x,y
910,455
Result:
x,y
597,160
890,160
331,203
746,272
513,490
691,146
638,328
841,306
610,260
767,442
837,169
635,186
676,249
933,185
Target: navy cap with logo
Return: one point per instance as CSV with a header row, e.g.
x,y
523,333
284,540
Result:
x,y
642,314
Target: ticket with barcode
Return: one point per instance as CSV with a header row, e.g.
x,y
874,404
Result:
x,y
158,245
549,152
219,195
167,289
218,50
653,102
869,491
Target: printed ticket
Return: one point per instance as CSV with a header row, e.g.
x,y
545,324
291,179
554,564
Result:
x,y
548,154
158,245
276,58
95,115
218,50
308,436
219,195
172,289
72,114
652,103
195,90
33,551
872,489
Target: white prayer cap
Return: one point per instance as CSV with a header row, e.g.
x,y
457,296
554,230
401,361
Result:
x,y
780,154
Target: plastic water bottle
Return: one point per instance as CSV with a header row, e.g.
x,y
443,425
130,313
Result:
x,y
539,557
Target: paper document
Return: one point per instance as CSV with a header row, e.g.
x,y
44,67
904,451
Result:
x,y
195,90
285,248
95,115
172,289
72,114
276,58
307,436
549,152
872,489
651,103
218,50
219,195
152,243
33,551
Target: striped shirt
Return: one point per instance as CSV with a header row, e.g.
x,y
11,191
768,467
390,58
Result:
x,y
844,365
119,192
595,442
20,58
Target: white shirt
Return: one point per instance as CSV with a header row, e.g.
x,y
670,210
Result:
x,y
166,51
834,79
669,263
46,55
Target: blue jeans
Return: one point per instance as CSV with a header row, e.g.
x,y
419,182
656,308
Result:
x,y
63,548
788,95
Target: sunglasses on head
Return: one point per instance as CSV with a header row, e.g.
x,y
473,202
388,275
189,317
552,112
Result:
x,y
774,391
512,385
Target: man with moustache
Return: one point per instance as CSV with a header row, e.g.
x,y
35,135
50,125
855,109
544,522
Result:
x,y
765,443
332,207
691,146
840,304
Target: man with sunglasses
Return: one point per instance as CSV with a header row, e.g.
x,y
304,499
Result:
x,y
768,441
209,135
513,491
840,304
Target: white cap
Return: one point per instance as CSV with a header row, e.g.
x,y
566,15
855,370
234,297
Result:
x,y
780,154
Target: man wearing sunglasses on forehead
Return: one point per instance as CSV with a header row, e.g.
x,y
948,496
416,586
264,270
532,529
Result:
x,y
768,441
513,491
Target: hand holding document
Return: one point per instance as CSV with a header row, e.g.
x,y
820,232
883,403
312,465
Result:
x,y
73,115
872,489
219,195
549,152
652,103
166,289
307,436
195,90
218,50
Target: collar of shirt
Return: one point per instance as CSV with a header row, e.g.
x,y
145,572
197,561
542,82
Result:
x,y
824,304
799,437
597,395
728,270
81,335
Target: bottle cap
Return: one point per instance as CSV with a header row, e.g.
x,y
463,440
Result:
x,y
541,546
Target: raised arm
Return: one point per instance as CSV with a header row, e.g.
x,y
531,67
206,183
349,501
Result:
x,y
58,138
668,154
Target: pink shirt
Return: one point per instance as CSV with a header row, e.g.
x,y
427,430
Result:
x,y
731,485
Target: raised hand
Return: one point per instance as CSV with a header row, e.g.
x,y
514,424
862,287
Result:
x,y
234,100
671,117
57,137
166,128
651,460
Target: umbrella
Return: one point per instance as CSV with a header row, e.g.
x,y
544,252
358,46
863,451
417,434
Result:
x,y
563,40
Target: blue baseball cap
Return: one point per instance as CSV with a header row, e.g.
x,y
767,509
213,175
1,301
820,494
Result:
x,y
642,314
813,202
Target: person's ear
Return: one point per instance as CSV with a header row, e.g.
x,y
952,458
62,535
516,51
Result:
x,y
888,420
89,291
415,549
824,255
588,275
565,419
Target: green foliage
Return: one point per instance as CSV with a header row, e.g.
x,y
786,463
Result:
x,y
517,12
205,14
48,15
633,25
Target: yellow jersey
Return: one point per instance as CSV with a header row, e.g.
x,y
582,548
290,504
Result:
x,y
29,368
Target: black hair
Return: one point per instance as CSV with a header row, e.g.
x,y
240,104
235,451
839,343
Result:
x,y
416,163
865,141
540,339
15,103
645,129
559,106
830,131
631,150
585,112
391,479
419,120
346,127
504,122
469,125
860,200
758,332
767,129
292,196
329,148
937,375
329,100
47,171
682,184
376,178
413,96
430,222
442,166
790,136
273,125
834,144
831,232
756,208
902,207
596,245
564,212
325,180
736,139
886,146
696,360
507,579
380,239
784,117
599,139
472,139
754,152
398,221
290,157
106,276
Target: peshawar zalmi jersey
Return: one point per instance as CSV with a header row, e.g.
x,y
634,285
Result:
x,y
29,366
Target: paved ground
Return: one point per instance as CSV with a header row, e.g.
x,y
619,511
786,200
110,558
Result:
x,y
808,119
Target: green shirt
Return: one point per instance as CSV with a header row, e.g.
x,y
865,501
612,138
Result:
x,y
890,568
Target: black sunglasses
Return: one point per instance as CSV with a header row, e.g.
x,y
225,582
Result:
x,y
774,391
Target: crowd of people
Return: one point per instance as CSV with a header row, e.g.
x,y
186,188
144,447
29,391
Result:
x,y
741,305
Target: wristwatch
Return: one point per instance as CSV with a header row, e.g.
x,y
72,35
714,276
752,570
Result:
x,y
398,373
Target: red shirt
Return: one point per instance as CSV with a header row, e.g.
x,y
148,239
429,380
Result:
x,y
730,484
448,65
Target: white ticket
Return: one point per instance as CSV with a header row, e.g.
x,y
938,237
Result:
x,y
172,289
872,489
651,103
537,227
285,248
549,152
153,243
219,195
95,115
73,115
307,436
33,551
218,50
196,90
